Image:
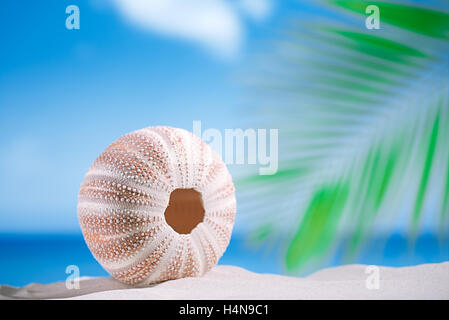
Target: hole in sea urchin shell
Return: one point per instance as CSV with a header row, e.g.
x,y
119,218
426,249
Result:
x,y
185,210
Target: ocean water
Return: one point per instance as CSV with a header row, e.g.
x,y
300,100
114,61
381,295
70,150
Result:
x,y
44,258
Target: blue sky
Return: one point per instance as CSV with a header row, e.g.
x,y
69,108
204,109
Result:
x,y
67,94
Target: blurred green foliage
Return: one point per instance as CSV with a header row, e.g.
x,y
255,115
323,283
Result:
x,y
364,129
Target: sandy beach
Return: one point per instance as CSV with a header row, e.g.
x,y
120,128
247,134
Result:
x,y
427,281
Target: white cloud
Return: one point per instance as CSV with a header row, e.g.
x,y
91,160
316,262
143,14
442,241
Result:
x,y
215,24
256,9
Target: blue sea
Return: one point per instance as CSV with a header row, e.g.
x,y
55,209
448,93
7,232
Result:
x,y
43,258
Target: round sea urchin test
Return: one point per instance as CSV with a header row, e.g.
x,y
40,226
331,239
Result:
x,y
157,204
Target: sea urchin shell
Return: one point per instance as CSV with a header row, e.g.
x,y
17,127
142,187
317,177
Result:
x,y
157,204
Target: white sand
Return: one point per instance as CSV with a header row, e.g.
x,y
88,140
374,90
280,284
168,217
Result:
x,y
428,281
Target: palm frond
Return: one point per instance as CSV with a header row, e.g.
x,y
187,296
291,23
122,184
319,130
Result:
x,y
364,130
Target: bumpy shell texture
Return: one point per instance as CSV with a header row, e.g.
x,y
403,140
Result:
x,y
124,196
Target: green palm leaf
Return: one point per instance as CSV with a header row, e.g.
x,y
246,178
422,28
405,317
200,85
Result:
x,y
364,130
